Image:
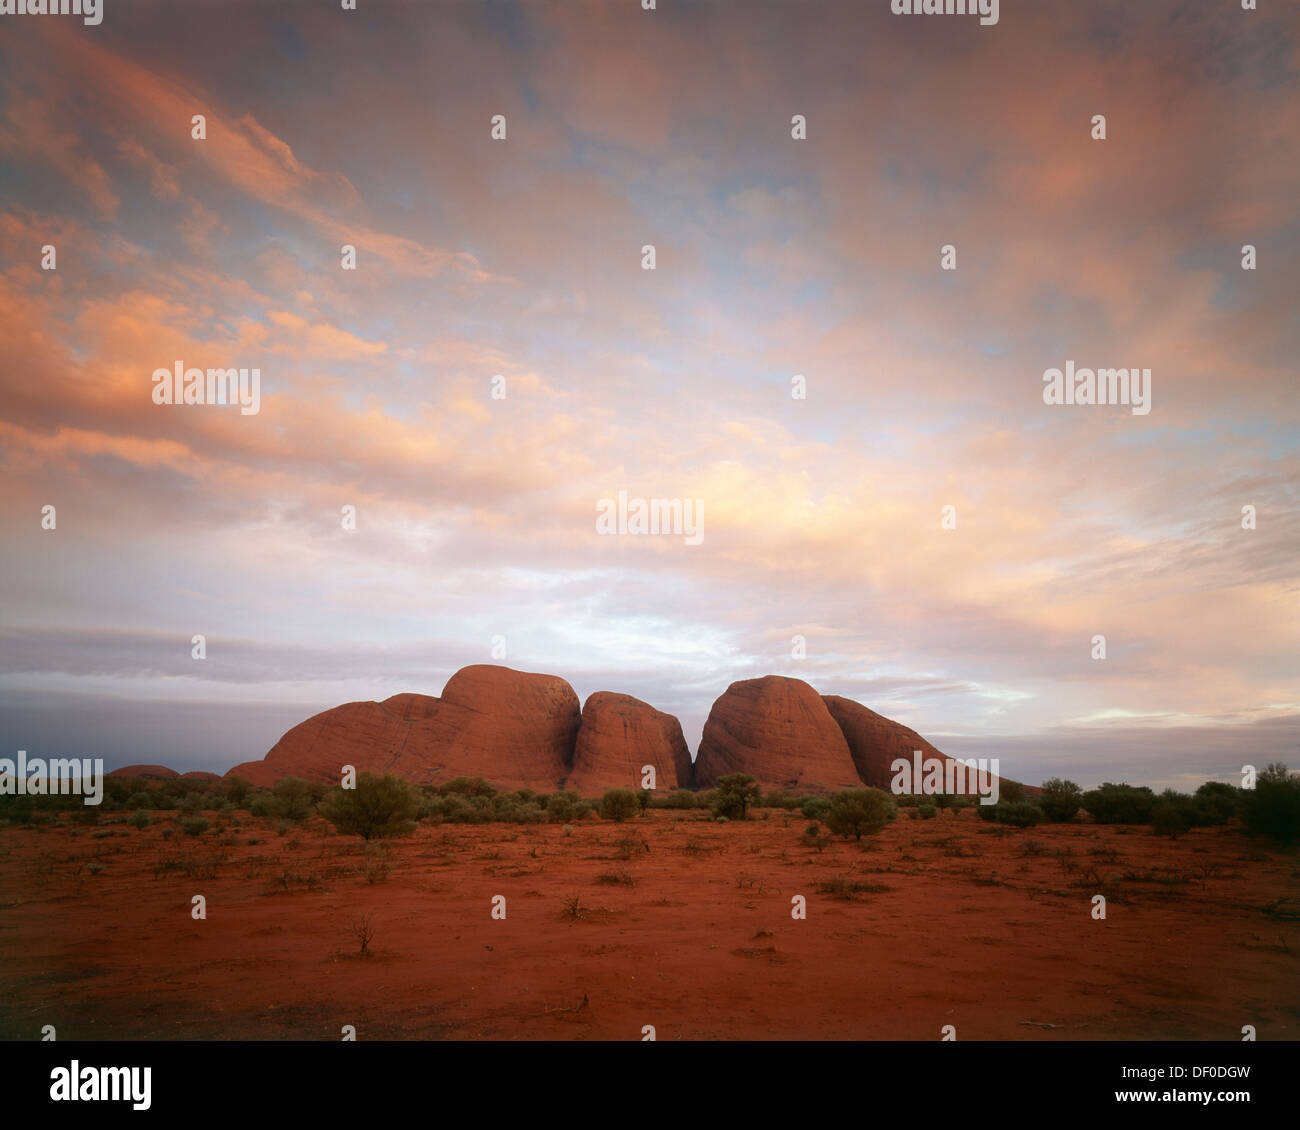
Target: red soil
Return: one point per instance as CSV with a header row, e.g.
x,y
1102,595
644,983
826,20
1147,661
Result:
x,y
703,946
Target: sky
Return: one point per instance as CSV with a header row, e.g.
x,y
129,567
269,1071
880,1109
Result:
x,y
776,257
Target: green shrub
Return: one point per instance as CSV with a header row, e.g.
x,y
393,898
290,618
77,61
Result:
x,y
814,807
1173,814
678,798
194,825
619,805
566,807
859,812
1060,800
733,794
1215,803
378,807
292,798
1120,804
987,811
468,786
237,791
1017,813
1272,807
140,820
926,811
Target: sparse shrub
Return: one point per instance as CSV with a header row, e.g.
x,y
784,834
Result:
x,y
1215,803
1173,814
468,786
814,807
566,807
568,829
619,805
733,794
987,811
1011,791
378,807
643,799
678,798
363,930
292,798
1060,800
622,877
1272,807
456,808
237,791
1017,813
926,811
859,812
140,819
1120,804
94,867
194,825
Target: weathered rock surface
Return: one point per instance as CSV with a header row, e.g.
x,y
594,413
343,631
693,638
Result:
x,y
514,729
779,731
150,772
620,734
876,742
368,735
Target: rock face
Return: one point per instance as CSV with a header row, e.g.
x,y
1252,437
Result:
x,y
368,735
519,730
150,772
779,731
876,741
619,735
514,729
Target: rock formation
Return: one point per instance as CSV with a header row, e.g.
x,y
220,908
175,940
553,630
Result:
x,y
519,730
514,729
876,741
148,772
779,731
619,735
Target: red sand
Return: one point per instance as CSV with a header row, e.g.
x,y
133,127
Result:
x,y
701,947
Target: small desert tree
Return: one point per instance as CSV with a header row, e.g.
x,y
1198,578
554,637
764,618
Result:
x,y
859,812
292,798
1272,807
619,805
1060,800
733,794
379,806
